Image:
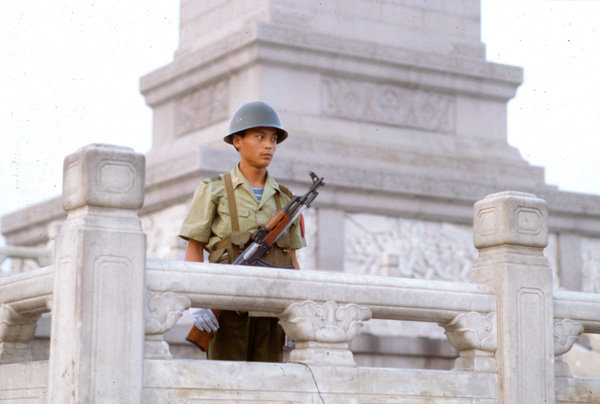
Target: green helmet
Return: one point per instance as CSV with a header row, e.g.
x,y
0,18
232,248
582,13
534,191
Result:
x,y
254,115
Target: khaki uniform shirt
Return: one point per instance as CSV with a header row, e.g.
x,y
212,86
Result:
x,y
208,220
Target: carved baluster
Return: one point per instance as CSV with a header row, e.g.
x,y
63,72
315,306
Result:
x,y
474,335
16,333
566,333
162,312
322,331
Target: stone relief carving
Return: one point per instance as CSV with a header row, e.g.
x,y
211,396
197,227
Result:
x,y
409,248
590,258
389,246
322,331
472,331
201,108
328,322
566,333
162,312
475,336
388,104
16,332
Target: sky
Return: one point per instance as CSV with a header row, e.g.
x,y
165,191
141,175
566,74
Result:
x,y
69,76
554,120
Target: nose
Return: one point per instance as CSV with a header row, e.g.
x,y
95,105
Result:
x,y
270,144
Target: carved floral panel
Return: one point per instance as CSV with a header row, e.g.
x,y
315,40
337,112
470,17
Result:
x,y
388,104
201,108
408,248
390,246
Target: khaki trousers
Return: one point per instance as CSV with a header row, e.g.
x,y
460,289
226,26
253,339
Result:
x,y
244,338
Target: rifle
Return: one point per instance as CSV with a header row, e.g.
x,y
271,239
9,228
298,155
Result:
x,y
262,241
266,236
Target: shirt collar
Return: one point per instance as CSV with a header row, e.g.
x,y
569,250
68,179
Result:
x,y
271,186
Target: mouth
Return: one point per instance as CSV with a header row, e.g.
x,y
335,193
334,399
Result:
x,y
268,156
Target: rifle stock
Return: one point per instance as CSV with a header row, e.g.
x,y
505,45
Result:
x,y
201,338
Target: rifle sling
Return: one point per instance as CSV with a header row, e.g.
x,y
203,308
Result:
x,y
235,224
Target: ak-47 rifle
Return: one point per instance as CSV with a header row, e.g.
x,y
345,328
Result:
x,y
266,236
262,241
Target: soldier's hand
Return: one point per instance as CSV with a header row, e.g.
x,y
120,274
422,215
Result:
x,y
204,319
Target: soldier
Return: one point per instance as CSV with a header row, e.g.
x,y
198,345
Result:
x,y
226,210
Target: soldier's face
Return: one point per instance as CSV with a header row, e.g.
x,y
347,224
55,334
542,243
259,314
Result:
x,y
257,147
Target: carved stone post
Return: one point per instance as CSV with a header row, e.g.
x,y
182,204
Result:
x,y
322,331
474,335
97,334
510,231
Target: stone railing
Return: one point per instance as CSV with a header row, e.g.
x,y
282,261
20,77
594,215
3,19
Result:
x,y
111,307
24,258
316,309
40,255
23,299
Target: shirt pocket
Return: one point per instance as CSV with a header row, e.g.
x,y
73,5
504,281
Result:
x,y
246,217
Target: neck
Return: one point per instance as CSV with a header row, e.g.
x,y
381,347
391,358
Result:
x,y
257,177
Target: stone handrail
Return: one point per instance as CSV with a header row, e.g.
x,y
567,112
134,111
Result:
x,y
41,255
29,291
266,289
24,298
578,306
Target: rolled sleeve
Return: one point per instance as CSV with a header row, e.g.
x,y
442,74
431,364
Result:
x,y
298,241
198,222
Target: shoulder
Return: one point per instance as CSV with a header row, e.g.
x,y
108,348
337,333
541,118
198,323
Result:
x,y
211,188
212,179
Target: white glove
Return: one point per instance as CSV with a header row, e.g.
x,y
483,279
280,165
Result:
x,y
204,319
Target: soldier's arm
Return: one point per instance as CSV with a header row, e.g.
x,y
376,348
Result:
x,y
194,251
294,259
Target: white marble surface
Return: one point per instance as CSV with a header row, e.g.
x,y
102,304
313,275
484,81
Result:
x,y
590,252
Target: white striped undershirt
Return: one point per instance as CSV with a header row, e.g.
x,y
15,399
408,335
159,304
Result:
x,y
258,192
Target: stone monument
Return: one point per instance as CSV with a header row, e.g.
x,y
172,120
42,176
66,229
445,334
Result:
x,y
393,102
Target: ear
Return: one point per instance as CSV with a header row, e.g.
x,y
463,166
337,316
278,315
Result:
x,y
236,141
